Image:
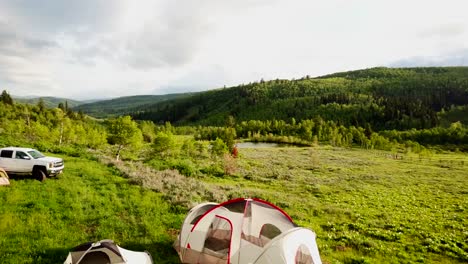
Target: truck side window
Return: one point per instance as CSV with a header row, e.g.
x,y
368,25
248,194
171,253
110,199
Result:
x,y
21,155
6,154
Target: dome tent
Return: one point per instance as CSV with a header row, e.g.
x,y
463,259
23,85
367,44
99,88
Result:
x,y
106,251
4,178
244,231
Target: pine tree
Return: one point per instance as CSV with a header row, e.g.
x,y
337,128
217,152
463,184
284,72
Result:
x,y
6,98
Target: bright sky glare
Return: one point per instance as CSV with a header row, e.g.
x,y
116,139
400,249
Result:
x,y
100,49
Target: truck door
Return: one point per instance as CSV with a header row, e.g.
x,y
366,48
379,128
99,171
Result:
x,y
23,162
6,160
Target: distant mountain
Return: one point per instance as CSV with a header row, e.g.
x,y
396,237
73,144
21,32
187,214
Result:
x,y
123,105
50,102
378,98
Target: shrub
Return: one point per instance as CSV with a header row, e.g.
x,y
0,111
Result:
x,y
214,170
165,145
230,164
218,147
185,167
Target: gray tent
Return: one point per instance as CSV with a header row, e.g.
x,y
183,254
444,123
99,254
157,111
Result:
x,y
4,178
106,252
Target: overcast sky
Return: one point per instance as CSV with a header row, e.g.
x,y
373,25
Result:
x,y
87,49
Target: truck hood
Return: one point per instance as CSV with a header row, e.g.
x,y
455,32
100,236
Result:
x,y
49,159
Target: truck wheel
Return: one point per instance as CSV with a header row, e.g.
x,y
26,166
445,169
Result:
x,y
39,174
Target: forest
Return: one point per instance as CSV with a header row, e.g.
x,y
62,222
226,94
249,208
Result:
x,y
380,108
382,98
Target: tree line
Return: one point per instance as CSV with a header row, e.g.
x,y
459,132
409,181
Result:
x,y
60,129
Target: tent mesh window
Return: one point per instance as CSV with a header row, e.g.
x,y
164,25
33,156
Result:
x,y
106,247
200,213
218,239
236,207
262,223
303,255
96,257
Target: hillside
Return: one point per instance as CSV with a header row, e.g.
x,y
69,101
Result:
x,y
123,105
382,98
50,102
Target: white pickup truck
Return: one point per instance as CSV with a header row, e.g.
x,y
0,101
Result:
x,y
26,161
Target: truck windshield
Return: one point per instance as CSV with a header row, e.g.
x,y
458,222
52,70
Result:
x,y
35,154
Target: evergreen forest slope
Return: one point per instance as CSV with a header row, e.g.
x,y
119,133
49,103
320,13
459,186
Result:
x,y
380,98
49,101
123,105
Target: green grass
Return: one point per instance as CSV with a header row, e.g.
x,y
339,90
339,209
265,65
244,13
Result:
x,y
365,205
41,222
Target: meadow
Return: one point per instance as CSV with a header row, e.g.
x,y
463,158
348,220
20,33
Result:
x,y
366,206
41,221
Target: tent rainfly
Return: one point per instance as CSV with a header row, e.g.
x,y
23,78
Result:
x,y
106,252
4,178
244,231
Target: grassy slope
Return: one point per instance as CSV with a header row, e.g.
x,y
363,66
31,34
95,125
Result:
x,y
40,222
365,205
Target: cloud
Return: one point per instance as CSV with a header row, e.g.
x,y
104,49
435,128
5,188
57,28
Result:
x,y
91,48
21,57
444,30
454,58
19,44
196,80
170,40
56,16
171,35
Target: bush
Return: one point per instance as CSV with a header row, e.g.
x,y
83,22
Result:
x,y
230,164
165,145
185,167
158,164
73,151
218,147
214,170
43,146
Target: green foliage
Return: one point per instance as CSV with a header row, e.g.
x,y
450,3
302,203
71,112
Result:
x,y
6,98
164,145
123,131
148,130
189,147
27,125
184,166
218,147
214,170
455,136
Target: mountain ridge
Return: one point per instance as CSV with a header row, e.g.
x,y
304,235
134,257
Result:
x,y
49,101
123,105
383,98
